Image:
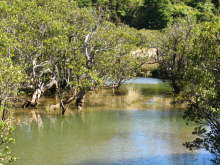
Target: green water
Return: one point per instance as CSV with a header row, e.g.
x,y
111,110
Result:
x,y
146,130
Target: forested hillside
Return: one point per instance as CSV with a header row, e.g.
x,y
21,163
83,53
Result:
x,y
155,14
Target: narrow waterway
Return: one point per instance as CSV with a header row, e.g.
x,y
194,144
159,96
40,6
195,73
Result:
x,y
138,126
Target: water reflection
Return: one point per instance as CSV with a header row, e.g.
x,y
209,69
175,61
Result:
x,y
175,159
133,128
108,137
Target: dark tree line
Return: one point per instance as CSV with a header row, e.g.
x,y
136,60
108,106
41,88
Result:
x,y
155,14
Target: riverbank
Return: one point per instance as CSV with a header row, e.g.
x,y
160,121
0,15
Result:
x,y
138,93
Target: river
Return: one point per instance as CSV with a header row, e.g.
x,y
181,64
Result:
x,y
138,126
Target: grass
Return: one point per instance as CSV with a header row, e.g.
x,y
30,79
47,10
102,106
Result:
x,y
132,95
152,89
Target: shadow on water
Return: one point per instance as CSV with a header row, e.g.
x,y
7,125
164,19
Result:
x,y
174,159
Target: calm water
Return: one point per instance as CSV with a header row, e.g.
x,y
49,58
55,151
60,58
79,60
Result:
x,y
146,130
142,80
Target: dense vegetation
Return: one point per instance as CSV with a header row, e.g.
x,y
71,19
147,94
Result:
x,y
191,61
69,47
54,46
155,14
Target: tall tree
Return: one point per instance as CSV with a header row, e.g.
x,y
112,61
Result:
x,y
202,92
175,45
11,76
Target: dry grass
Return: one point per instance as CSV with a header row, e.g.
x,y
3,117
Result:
x,y
132,95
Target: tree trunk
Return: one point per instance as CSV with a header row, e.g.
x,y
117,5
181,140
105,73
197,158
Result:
x,y
80,98
79,101
39,92
5,112
64,103
176,88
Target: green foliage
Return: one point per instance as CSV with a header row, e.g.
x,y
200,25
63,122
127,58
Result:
x,y
11,76
202,90
190,59
155,14
76,47
74,44
6,130
152,15
175,45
